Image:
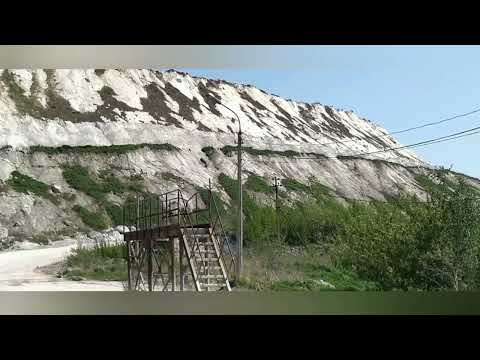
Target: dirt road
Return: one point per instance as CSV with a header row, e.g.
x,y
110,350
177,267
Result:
x,y
19,271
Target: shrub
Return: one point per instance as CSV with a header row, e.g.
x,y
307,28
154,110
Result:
x,y
79,178
294,185
408,244
25,184
100,263
95,220
258,184
208,151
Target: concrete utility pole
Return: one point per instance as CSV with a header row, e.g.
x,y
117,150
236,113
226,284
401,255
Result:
x,y
240,205
277,209
240,194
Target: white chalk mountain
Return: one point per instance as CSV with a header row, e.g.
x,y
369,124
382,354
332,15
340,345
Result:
x,y
168,128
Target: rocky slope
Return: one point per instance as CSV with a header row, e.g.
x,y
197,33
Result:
x,y
158,130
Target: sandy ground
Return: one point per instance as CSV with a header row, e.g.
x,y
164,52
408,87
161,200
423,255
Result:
x,y
19,271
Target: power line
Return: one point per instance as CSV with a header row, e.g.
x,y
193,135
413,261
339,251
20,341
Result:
x,y
379,136
435,122
453,136
427,142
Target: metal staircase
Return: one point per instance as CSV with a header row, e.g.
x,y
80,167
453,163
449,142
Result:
x,y
204,257
169,232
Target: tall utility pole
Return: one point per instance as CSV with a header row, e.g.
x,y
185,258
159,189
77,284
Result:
x,y
239,261
240,205
277,218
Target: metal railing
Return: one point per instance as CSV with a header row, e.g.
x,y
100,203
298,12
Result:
x,y
148,213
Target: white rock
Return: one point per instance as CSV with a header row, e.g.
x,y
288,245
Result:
x,y
25,245
56,189
3,234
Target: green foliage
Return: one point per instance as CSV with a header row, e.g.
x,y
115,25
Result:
x,y
312,221
204,195
208,150
230,186
90,149
115,212
79,178
260,225
25,184
172,177
23,103
229,149
258,184
41,239
100,263
275,267
318,190
294,185
95,220
408,244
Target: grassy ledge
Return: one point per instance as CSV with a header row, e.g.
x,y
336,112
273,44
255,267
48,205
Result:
x,y
229,149
90,149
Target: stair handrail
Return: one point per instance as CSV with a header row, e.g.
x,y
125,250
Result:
x,y
222,234
186,215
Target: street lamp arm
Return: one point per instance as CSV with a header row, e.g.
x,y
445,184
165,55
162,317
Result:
x,y
234,113
238,118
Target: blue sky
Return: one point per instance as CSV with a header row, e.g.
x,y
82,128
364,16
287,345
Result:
x,y
394,86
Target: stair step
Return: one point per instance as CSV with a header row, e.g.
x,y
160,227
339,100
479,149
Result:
x,y
211,276
212,285
206,262
203,231
207,251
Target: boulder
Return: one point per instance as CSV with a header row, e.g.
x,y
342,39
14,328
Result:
x,y
3,234
56,189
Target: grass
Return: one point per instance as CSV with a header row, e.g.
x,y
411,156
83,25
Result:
x,y
294,185
115,212
95,220
230,185
23,103
90,149
229,149
26,184
168,176
41,239
79,178
318,189
104,263
258,184
204,195
274,269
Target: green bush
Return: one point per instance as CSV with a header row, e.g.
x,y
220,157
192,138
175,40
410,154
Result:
x,y
258,184
95,220
408,244
115,212
100,263
294,185
79,178
25,184
208,151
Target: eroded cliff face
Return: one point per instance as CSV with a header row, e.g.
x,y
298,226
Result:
x,y
168,129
